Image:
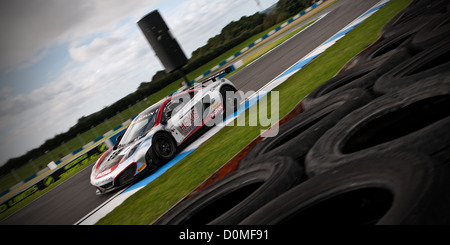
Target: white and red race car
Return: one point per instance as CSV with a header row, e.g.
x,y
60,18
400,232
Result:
x,y
156,134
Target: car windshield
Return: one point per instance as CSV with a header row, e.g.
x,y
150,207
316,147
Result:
x,y
140,126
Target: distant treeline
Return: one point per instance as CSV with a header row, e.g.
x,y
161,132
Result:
x,y
231,35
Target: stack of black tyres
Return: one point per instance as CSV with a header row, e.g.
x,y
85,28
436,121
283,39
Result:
x,y
371,147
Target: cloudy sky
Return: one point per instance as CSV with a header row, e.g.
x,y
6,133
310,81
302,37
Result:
x,y
63,59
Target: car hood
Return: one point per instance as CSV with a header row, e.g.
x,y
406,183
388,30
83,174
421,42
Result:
x,y
111,158
115,156
131,152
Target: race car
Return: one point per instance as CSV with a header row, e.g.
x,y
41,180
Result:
x,y
156,134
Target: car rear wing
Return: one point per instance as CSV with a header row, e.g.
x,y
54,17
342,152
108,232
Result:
x,y
217,75
204,82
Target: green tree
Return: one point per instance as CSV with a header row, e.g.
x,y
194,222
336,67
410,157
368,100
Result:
x,y
291,7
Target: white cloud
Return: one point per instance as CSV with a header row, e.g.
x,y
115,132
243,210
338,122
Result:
x,y
102,72
97,47
195,21
31,27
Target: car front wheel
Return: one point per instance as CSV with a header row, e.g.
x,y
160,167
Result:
x,y
163,149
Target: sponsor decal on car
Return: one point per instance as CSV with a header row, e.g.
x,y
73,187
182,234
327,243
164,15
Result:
x,y
216,111
143,165
188,123
104,173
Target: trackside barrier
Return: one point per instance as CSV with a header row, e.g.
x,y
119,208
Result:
x,y
97,148
238,64
103,137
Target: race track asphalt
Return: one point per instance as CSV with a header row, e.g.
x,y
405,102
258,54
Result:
x,y
75,198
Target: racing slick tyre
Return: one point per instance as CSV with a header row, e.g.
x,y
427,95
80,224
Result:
x,y
385,189
362,76
163,148
425,64
299,134
232,198
414,119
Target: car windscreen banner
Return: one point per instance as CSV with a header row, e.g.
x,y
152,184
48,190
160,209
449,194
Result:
x,y
84,159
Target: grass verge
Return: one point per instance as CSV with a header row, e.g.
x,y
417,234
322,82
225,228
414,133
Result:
x,y
157,197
